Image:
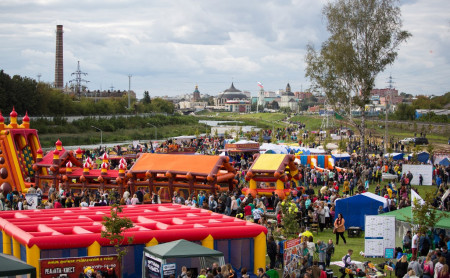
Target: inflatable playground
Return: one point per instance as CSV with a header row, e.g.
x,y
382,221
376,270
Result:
x,y
31,235
23,163
271,172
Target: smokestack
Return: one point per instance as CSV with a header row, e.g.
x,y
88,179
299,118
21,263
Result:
x,y
59,59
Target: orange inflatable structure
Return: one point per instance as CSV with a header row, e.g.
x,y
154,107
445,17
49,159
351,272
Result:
x,y
184,174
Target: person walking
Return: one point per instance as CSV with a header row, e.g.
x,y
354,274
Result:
x,y
339,228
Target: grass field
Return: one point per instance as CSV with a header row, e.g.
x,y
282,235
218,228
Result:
x,y
147,133
311,122
399,133
261,120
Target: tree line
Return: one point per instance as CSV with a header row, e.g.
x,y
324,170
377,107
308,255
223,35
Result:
x,y
41,99
407,112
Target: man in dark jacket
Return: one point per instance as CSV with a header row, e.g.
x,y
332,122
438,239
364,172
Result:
x,y
272,251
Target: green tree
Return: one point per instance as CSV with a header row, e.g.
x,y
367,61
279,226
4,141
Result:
x,y
289,221
261,137
248,135
424,215
342,146
365,36
146,99
115,228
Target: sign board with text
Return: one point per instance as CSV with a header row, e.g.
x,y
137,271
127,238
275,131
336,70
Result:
x,y
168,270
152,266
74,267
379,237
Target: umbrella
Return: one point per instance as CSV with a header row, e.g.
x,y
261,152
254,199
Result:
x,y
307,234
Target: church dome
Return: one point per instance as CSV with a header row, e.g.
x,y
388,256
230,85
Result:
x,y
232,93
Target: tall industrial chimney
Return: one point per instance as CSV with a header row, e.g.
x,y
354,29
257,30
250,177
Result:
x,y
59,59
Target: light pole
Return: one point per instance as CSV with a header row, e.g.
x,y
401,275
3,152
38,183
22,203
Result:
x,y
101,134
156,130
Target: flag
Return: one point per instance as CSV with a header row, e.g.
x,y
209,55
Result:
x,y
415,196
260,85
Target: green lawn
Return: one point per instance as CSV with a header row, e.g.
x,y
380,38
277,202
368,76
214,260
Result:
x,y
402,131
261,120
311,122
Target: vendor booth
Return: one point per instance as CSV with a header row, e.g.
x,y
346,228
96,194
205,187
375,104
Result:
x,y
403,217
355,208
167,259
341,156
394,156
423,157
444,162
11,266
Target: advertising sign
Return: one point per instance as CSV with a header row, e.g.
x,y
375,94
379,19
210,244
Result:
x,y
32,200
168,270
107,266
292,253
152,266
379,235
425,170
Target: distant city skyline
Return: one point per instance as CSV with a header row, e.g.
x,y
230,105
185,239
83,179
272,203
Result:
x,y
169,47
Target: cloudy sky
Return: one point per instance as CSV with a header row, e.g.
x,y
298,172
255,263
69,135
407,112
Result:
x,y
169,46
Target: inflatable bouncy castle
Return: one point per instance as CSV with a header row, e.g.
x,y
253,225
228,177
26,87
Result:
x,y
19,146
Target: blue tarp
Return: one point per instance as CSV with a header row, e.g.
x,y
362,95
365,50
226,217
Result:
x,y
444,162
355,208
423,157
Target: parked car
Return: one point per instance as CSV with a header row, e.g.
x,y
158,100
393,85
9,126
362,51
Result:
x,y
406,141
420,141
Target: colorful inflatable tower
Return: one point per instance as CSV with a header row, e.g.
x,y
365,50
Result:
x,y
18,152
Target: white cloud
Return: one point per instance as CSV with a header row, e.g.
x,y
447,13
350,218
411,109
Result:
x,y
169,46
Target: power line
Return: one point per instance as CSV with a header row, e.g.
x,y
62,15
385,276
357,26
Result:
x,y
78,73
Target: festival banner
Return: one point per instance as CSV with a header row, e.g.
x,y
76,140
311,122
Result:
x,y
107,266
292,254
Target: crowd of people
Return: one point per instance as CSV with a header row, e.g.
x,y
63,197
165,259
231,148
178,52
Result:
x,y
314,196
